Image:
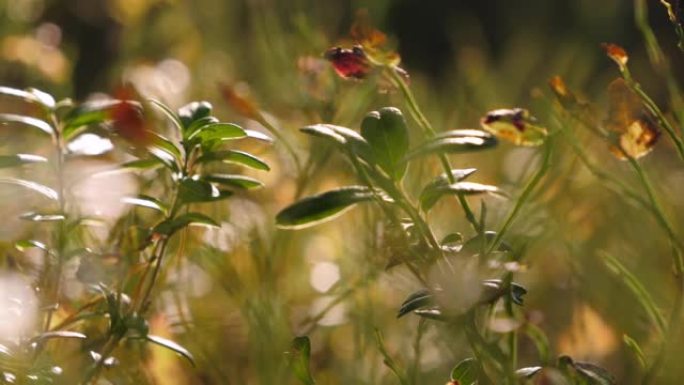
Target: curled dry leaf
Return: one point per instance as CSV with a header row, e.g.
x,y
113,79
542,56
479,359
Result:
x,y
627,118
617,53
515,125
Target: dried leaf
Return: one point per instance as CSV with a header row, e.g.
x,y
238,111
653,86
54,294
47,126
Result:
x,y
627,118
617,53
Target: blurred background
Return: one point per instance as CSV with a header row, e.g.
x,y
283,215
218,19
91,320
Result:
x,y
244,298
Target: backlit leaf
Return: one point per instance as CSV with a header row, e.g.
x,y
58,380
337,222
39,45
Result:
x,y
28,121
466,372
238,181
235,157
170,226
299,356
387,134
454,142
323,207
20,159
173,346
33,186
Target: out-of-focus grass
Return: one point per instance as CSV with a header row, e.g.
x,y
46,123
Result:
x,y
258,293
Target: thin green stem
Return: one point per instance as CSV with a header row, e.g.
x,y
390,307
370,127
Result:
x,y
524,196
430,132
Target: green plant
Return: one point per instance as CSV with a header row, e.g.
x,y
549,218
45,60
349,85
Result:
x,y
186,170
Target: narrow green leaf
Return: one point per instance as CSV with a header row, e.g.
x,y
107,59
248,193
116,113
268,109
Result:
x,y
235,157
456,141
191,191
37,217
325,131
466,372
194,111
28,121
20,159
170,226
166,145
528,372
173,346
91,113
26,244
193,129
59,334
43,98
434,191
541,342
148,202
299,358
594,373
33,186
636,349
141,164
323,207
638,290
257,135
219,132
17,93
417,300
387,134
167,111
238,181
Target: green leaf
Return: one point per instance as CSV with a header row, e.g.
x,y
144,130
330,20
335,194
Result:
x,y
173,346
456,141
28,121
417,300
167,111
343,136
33,186
239,181
37,217
141,164
197,125
466,372
636,349
17,93
191,190
20,159
541,342
148,202
388,137
434,191
236,157
325,131
59,334
91,113
219,132
170,226
26,244
595,374
528,372
323,207
43,98
495,289
30,95
166,145
299,358
194,111
257,135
